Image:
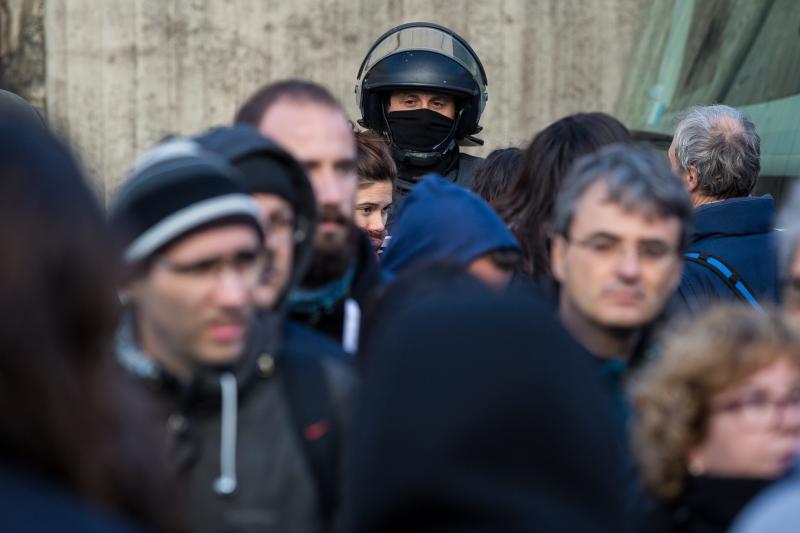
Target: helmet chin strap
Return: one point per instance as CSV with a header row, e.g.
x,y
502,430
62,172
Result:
x,y
420,159
427,158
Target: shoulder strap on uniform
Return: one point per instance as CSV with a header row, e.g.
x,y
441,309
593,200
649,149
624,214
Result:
x,y
728,275
315,421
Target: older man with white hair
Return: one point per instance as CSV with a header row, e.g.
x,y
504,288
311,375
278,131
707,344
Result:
x,y
731,256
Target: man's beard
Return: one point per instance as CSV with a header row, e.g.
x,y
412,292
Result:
x,y
333,253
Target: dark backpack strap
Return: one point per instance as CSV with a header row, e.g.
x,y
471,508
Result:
x,y
728,275
316,423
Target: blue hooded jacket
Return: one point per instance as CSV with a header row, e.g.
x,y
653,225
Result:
x,y
740,232
444,222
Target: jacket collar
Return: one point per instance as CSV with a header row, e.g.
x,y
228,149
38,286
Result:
x,y
714,500
358,282
367,275
131,356
263,339
736,216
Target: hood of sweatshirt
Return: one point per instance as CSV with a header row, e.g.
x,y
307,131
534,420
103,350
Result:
x,y
444,222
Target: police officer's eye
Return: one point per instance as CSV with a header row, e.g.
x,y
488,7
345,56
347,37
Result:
x,y
366,211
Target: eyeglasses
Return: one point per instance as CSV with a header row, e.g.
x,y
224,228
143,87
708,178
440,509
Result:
x,y
606,247
248,265
758,409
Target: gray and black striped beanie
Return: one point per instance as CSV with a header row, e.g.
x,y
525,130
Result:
x,y
173,190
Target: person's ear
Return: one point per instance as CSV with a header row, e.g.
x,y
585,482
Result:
x,y
692,179
696,464
130,291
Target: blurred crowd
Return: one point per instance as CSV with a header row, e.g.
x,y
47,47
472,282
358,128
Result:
x,y
297,322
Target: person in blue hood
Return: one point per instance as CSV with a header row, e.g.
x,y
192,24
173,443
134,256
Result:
x,y
732,254
441,222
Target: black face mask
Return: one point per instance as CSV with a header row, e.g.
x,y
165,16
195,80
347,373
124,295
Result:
x,y
419,129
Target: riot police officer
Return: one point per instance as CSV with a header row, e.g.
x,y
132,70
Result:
x,y
423,87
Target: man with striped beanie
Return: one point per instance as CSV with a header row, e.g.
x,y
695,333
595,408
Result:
x,y
192,247
190,336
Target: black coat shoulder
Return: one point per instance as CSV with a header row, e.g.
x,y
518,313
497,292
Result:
x,y
35,505
465,170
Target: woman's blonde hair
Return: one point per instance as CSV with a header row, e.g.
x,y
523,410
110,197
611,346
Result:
x,y
671,397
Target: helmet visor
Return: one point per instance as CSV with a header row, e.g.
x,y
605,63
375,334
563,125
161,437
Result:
x,y
429,39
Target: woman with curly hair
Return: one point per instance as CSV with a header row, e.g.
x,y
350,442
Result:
x,y
717,418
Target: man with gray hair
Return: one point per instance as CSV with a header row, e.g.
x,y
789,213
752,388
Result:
x,y
731,256
621,223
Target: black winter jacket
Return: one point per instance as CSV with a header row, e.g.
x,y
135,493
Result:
x,y
234,437
706,505
461,171
37,505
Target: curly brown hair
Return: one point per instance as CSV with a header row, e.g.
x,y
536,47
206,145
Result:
x,y
672,396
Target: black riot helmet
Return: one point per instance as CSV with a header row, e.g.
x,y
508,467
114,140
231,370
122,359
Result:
x,y
422,55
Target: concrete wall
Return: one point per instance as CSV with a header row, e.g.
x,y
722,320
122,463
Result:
x,y
22,64
121,74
